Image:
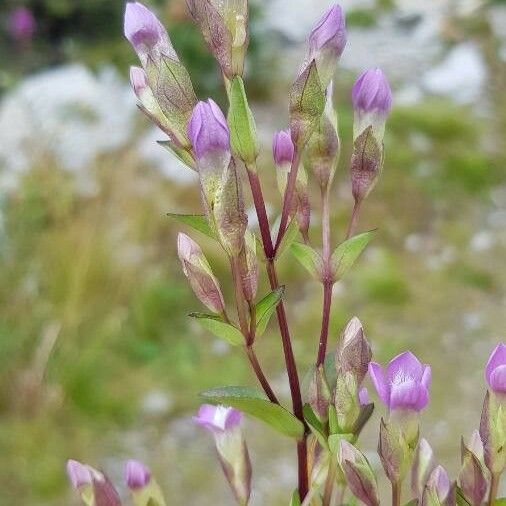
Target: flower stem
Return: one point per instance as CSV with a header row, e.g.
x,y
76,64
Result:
x,y
396,493
354,218
329,484
324,333
494,487
288,197
255,364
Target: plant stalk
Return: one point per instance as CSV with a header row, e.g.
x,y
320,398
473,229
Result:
x,y
396,493
354,219
255,364
494,487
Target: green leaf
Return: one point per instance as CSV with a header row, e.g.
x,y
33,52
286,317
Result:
x,y
295,500
219,328
196,221
500,502
266,307
363,418
181,154
347,252
315,425
308,257
243,133
254,403
307,103
289,236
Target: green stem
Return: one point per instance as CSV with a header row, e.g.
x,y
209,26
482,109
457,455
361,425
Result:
x,y
396,493
494,487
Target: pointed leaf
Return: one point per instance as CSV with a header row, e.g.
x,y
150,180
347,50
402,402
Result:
x,y
295,500
347,252
196,221
289,236
266,307
308,257
254,403
315,425
219,328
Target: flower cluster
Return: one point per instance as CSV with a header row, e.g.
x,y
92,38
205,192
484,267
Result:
x,y
329,411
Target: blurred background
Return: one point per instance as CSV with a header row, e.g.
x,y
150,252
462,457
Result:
x,y
98,361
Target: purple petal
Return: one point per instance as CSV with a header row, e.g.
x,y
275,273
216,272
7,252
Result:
x,y
330,28
233,418
79,474
217,419
363,396
498,379
378,379
371,92
427,377
408,395
138,80
405,365
142,27
282,147
497,358
440,481
137,475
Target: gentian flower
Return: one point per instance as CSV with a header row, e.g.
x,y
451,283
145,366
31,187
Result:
x,y
198,271
225,425
371,93
495,371
22,24
405,383
137,475
282,148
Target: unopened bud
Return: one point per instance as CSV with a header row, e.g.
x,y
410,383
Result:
x,y
144,489
423,465
372,101
354,352
198,271
359,474
137,475
224,26
493,432
78,474
473,476
438,489
320,395
346,401
394,452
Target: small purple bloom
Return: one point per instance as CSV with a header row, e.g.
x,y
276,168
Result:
x,y
208,129
495,371
405,383
79,474
218,419
22,24
363,396
137,475
371,92
329,31
282,147
138,80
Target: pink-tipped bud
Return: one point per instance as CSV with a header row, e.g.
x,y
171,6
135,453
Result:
x,y
371,93
282,148
78,474
137,475
438,489
495,371
198,271
319,395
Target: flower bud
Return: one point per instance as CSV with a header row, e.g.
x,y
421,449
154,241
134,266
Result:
x,y
493,432
359,474
322,152
104,493
78,474
472,476
438,489
495,371
354,352
198,271
372,101
224,423
224,26
423,465
393,450
248,266
320,395
346,401
137,475
327,41
282,148
22,24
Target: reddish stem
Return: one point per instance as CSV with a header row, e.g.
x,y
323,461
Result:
x,y
354,219
255,364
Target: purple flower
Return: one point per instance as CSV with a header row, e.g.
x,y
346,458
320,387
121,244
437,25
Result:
x,y
79,474
495,371
22,24
282,147
137,475
142,28
371,92
218,419
208,129
405,383
329,32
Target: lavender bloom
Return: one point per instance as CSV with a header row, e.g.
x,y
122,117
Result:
x,y
495,371
218,419
282,148
146,34
79,474
137,475
371,93
208,130
405,383
22,24
327,42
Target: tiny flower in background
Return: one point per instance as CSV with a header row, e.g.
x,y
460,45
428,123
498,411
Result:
x,y
438,489
327,41
22,24
198,271
137,475
495,371
225,425
405,383
372,101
